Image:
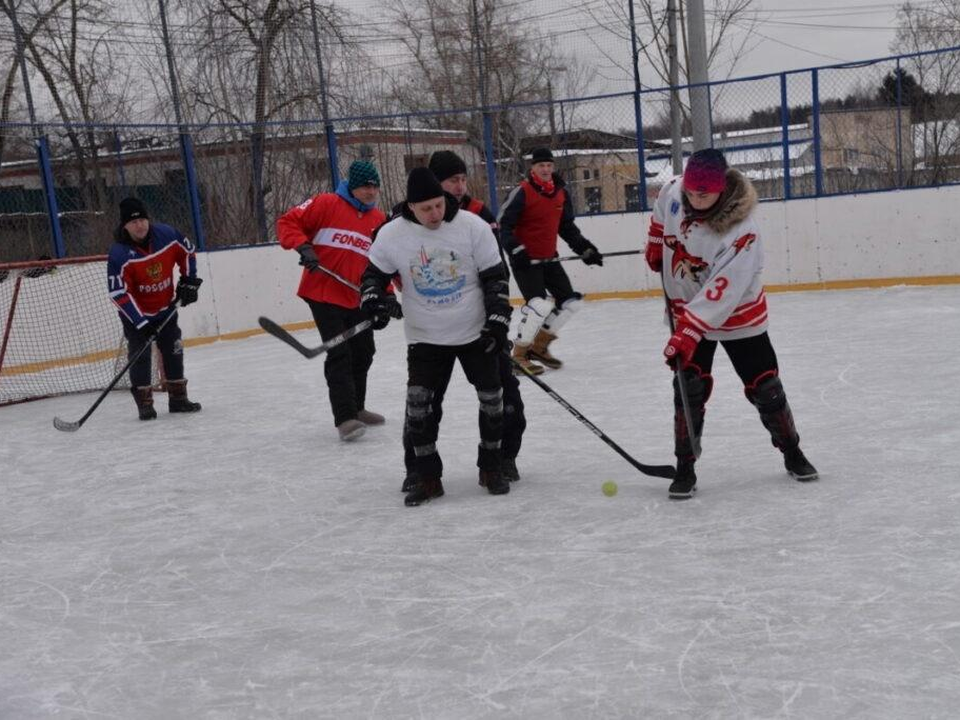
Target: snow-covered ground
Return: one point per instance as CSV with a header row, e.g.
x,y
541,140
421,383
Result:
x,y
243,563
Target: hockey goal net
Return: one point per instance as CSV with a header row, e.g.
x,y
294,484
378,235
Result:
x,y
59,331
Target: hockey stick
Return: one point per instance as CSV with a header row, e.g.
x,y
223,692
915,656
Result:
x,y
577,257
663,471
684,398
68,426
336,277
278,332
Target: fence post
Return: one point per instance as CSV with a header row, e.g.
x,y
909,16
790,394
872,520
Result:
x,y
186,144
117,150
40,141
487,119
817,157
638,113
785,136
899,143
328,130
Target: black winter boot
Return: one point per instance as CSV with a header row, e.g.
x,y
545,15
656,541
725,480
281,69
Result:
x,y
179,402
410,481
798,466
684,485
143,396
424,491
508,468
494,482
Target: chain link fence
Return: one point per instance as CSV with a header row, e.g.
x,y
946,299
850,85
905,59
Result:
x,y
877,125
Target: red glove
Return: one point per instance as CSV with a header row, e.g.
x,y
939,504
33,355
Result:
x,y
654,253
681,345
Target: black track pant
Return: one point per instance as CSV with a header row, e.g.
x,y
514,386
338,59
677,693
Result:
x,y
751,357
171,351
345,366
538,280
429,368
514,418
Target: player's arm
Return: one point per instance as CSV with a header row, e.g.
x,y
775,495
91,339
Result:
x,y
117,289
507,221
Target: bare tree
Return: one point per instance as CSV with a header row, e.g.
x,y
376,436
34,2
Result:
x,y
724,51
937,131
441,38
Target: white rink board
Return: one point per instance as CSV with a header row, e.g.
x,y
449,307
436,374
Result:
x,y
871,236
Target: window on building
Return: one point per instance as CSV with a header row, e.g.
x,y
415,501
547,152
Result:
x,y
596,174
631,196
586,174
592,196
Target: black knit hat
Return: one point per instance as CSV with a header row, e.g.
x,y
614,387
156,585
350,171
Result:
x,y
422,185
541,154
132,209
446,163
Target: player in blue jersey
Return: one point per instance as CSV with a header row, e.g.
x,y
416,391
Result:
x,y
140,281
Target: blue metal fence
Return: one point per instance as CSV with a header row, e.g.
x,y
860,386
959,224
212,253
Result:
x,y
830,130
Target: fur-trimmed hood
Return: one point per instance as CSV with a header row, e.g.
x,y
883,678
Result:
x,y
734,206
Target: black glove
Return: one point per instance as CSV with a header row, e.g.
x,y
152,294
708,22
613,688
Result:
x,y
188,289
590,255
519,260
493,335
308,257
380,309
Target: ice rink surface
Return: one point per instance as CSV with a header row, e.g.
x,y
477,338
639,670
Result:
x,y
244,563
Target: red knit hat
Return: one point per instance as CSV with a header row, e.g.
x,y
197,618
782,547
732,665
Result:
x,y
706,172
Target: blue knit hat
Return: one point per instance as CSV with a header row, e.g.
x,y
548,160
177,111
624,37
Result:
x,y
362,172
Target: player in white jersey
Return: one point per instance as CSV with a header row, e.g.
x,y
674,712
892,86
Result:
x,y
705,241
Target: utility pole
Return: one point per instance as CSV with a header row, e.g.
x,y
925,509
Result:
x,y
699,95
328,130
676,136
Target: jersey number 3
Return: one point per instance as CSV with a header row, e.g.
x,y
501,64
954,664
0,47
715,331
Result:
x,y
716,292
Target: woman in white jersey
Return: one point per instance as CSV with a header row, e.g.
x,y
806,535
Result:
x,y
705,241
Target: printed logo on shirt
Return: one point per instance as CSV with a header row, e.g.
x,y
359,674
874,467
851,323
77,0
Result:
x,y
154,271
674,207
682,263
437,276
343,240
744,242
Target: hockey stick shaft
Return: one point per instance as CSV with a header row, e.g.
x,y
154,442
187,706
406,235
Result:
x,y
67,426
678,377
341,280
278,332
565,258
662,471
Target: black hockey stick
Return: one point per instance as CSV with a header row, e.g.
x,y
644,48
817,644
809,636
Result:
x,y
684,398
68,426
336,277
577,257
278,332
662,471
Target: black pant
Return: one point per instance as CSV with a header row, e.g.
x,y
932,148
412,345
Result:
x,y
514,418
168,342
548,277
751,357
429,368
346,366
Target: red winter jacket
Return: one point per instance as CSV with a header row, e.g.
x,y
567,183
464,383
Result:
x,y
533,218
341,236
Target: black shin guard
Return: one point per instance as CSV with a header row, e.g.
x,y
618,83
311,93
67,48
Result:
x,y
766,394
699,387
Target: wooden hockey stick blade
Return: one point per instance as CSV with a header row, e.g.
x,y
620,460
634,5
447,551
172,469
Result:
x,y
66,425
280,334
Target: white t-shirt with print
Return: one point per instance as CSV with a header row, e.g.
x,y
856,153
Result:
x,y
439,270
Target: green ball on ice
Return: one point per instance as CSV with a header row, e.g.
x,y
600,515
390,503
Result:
x,y
609,488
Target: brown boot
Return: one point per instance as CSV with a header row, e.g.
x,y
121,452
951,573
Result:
x,y
368,417
351,429
494,482
539,350
520,352
424,491
179,402
143,396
